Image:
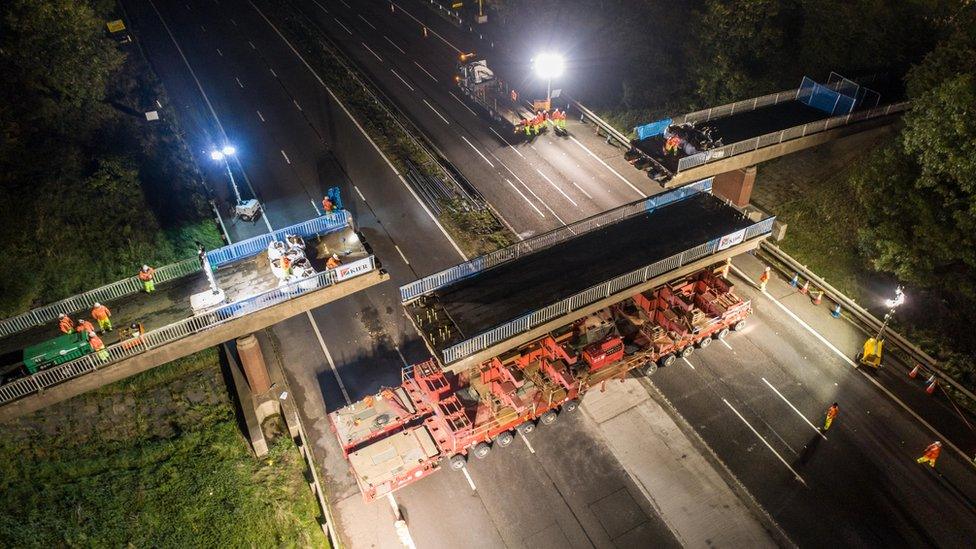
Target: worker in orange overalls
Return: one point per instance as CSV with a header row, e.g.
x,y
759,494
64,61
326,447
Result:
x,y
562,120
332,262
102,316
931,454
65,324
831,414
98,346
328,207
84,327
146,274
763,279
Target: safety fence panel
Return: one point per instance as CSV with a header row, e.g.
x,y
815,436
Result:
x,y
430,283
755,143
823,98
601,291
132,285
745,105
169,334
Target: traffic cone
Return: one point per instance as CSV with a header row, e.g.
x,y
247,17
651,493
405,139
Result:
x,y
817,297
805,288
914,373
931,388
836,312
930,380
796,280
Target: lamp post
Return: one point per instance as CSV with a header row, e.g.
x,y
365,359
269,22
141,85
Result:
x,y
892,304
248,210
548,66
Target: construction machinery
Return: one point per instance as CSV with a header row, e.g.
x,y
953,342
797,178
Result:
x,y
439,417
58,350
478,83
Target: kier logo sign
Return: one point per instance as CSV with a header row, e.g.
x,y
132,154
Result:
x,y
355,268
730,240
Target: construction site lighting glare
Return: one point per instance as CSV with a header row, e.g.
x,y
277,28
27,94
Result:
x,y
228,150
549,65
216,155
898,300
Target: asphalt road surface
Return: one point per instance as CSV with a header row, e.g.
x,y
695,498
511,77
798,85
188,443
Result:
x,y
860,486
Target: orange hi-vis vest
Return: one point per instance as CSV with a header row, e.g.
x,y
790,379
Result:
x,y
66,325
146,276
933,451
101,313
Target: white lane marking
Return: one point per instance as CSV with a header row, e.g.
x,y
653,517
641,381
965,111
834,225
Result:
x,y
345,4
202,28
402,358
232,22
239,82
286,156
253,47
554,186
370,50
582,190
607,166
343,26
361,197
726,343
261,116
867,376
470,480
206,100
273,73
432,31
525,198
477,151
499,136
425,71
771,449
295,101
519,179
392,43
463,104
400,525
790,404
405,83
431,107
220,53
365,21
688,363
328,357
521,434
376,147
405,260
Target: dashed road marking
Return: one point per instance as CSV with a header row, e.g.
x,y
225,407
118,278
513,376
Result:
x,y
554,186
286,156
527,443
232,22
239,82
477,151
261,116
425,71
463,104
771,449
343,26
525,198
370,50
392,43
405,260
726,343
365,21
295,101
220,53
790,404
361,197
519,179
345,4
405,83
470,480
328,357
273,73
607,166
432,31
690,365
253,47
496,133
431,107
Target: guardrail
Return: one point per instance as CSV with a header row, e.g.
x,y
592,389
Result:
x,y
745,105
600,291
132,285
872,322
173,332
795,132
430,283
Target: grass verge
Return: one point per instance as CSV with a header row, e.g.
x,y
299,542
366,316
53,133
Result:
x,y
97,471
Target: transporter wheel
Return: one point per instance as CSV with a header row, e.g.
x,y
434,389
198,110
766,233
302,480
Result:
x,y
548,418
722,334
739,325
457,462
571,405
687,351
504,439
649,369
705,342
667,360
481,450
526,428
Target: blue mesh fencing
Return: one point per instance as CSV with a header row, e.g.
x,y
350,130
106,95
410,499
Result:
x,y
652,129
821,97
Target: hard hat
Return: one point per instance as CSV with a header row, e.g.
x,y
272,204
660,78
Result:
x,y
145,267
91,333
97,304
62,315
938,443
335,256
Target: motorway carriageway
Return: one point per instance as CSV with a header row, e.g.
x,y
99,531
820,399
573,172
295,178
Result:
x,y
366,334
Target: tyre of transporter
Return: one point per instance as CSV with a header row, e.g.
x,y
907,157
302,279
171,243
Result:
x,y
504,439
571,405
481,450
687,351
548,418
457,462
739,325
526,428
649,369
722,334
666,360
705,342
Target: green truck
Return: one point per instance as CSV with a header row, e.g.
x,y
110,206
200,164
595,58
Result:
x,y
59,350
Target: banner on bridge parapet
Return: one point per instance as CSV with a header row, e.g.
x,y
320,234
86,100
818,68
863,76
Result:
x,y
355,268
730,240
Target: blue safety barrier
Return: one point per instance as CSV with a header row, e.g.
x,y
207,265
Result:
x,y
821,97
652,129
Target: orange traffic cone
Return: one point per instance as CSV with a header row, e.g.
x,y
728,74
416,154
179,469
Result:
x,y
805,288
817,296
914,373
931,388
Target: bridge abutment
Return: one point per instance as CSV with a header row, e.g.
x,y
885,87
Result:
x,y
736,185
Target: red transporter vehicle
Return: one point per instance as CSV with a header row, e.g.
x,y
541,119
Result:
x,y
403,434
